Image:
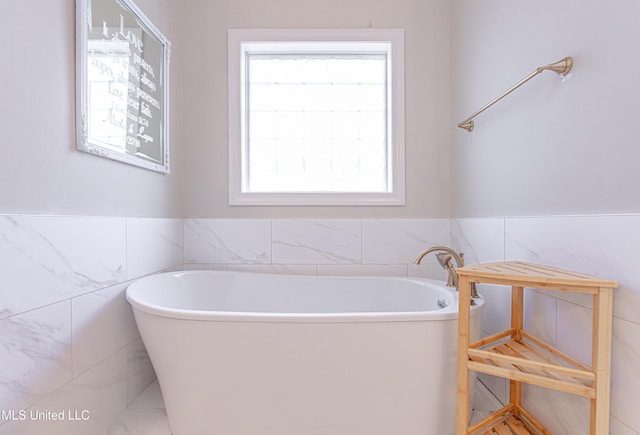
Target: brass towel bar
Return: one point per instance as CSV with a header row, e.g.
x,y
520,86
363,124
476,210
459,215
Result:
x,y
562,68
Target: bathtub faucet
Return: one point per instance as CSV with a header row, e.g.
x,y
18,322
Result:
x,y
444,256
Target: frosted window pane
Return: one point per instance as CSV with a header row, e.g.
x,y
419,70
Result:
x,y
317,123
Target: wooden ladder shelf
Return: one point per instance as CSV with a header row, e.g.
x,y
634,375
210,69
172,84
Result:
x,y
516,355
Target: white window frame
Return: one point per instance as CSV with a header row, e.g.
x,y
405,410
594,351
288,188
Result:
x,y
238,40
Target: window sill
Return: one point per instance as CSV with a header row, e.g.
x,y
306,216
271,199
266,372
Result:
x,y
315,199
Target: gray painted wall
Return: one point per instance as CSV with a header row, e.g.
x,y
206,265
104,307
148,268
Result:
x,y
41,171
552,147
203,40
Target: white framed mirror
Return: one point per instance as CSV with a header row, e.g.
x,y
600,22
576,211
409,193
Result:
x,y
122,80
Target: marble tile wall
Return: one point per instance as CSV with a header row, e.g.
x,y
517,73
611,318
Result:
x,y
604,246
68,340
315,246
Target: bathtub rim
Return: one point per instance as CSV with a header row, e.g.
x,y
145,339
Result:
x,y
450,312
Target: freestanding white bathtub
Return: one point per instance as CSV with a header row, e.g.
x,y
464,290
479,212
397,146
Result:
x,y
258,354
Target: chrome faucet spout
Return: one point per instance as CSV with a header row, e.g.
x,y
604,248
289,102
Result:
x,y
450,251
458,257
444,256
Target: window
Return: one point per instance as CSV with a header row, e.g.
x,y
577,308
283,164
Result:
x,y
316,117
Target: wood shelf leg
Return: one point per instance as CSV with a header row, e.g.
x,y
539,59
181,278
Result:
x,y
517,323
601,360
517,312
464,327
515,396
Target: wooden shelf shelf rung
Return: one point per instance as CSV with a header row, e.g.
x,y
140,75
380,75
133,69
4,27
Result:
x,y
576,388
517,362
507,421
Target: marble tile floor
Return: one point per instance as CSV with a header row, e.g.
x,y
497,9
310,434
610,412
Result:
x,y
146,414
